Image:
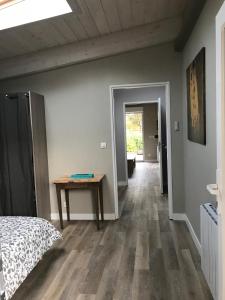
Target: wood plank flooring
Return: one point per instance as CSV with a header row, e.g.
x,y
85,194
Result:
x,y
142,256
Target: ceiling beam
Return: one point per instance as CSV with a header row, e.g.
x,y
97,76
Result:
x,y
191,15
74,6
86,50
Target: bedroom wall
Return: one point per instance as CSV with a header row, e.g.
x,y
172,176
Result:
x,y
78,115
200,161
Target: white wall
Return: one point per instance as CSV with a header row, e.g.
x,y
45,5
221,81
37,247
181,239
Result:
x,y
78,115
199,160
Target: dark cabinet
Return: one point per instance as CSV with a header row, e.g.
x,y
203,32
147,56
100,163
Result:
x,y
24,180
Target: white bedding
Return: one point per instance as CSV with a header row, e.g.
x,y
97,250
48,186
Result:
x,y
23,241
2,284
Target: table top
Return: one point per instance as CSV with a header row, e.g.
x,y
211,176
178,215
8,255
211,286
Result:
x,y
97,178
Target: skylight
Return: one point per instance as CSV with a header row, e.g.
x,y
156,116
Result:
x,y
17,12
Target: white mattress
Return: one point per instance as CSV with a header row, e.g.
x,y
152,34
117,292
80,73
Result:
x,y
2,284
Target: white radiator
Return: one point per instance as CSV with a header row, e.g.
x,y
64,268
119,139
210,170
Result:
x,y
209,242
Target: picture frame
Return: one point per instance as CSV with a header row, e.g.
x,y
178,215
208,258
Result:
x,y
196,99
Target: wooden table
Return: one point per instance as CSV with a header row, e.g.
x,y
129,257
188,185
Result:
x,y
94,184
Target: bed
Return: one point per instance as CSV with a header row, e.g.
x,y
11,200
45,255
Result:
x,y
23,242
2,292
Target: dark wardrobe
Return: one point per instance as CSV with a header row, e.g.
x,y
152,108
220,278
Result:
x,y
24,180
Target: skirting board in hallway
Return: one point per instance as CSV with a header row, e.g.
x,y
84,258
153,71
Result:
x,y
122,183
80,217
184,217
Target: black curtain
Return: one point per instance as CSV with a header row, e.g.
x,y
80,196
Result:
x,y
17,192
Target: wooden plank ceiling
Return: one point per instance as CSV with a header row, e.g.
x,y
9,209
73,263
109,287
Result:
x,y
95,29
90,19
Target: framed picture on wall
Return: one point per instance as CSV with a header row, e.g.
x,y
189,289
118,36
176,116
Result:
x,y
196,99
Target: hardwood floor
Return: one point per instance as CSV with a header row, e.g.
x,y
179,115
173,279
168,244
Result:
x,y
142,256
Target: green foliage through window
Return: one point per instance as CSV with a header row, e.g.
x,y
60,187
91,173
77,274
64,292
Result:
x,y
134,135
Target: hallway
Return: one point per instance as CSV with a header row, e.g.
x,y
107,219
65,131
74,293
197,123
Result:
x,y
142,256
166,260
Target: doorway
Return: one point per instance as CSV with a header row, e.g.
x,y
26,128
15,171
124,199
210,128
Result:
x,y
121,153
143,132
134,132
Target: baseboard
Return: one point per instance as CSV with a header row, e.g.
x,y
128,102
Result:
x,y
194,236
88,217
184,217
179,217
154,161
122,183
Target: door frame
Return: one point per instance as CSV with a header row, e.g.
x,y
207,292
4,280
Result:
x,y
160,145
220,118
124,126
169,139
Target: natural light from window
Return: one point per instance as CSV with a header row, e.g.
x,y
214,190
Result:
x,y
17,12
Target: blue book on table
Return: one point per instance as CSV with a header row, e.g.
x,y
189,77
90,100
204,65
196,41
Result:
x,y
82,176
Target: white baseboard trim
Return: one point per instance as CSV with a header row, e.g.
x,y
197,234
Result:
x,y
85,217
194,236
154,161
184,217
122,183
179,217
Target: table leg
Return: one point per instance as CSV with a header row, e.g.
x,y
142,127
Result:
x,y
101,201
96,200
58,192
67,205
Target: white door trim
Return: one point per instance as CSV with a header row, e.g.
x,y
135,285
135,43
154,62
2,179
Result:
x,y
169,141
220,101
160,145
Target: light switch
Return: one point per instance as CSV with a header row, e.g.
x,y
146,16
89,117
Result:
x,y
103,145
176,126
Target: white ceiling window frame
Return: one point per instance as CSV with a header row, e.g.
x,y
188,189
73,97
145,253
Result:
x,y
19,12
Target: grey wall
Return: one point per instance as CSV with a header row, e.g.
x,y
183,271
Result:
x,y
200,161
78,115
